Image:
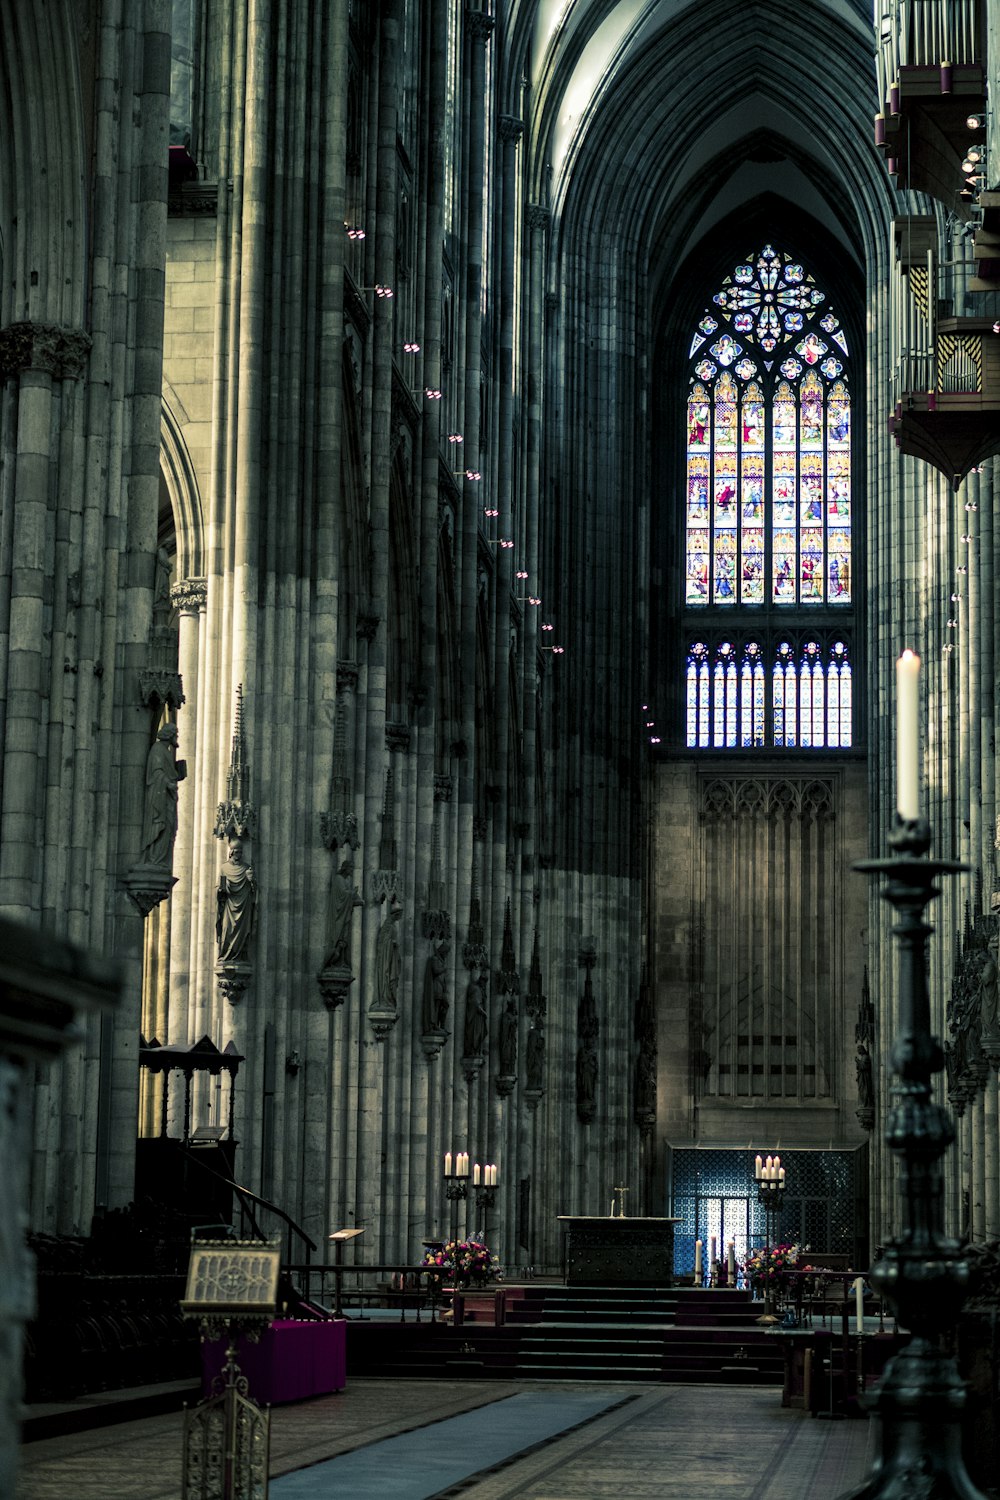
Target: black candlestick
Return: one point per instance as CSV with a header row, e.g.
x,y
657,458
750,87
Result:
x,y
922,1272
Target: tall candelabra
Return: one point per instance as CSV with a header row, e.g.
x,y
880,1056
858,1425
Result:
x,y
483,1180
921,1272
770,1178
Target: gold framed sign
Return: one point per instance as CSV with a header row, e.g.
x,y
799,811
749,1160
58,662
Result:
x,y
232,1278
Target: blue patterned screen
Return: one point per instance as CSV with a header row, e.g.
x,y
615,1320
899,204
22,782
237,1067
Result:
x,y
714,1194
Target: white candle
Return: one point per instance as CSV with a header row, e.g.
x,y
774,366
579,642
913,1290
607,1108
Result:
x,y
463,1164
496,1174
781,1174
758,1169
731,1259
697,1257
475,1174
907,735
711,1250
447,1163
859,1302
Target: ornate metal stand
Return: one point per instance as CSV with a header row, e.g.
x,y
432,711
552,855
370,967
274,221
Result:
x,y
923,1275
227,1438
231,1290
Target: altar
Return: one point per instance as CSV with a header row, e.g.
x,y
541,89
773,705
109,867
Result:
x,y
618,1251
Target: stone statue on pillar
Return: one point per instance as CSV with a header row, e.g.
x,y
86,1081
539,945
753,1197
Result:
x,y
344,897
159,819
236,901
384,1011
151,878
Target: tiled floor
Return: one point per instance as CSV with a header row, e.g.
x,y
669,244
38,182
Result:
x,y
665,1443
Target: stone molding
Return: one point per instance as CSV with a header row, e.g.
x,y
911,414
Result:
x,y
50,348
347,676
538,217
511,129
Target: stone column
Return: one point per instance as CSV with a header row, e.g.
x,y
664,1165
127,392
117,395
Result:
x,y
44,985
991,1148
188,597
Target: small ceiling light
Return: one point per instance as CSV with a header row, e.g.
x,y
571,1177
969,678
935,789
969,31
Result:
x,y
974,153
650,723
968,164
533,600
956,598
965,537
505,543
548,627
472,475
455,437
654,739
971,505
490,511
354,231
411,348
974,122
961,568
432,393
381,290
520,573
952,624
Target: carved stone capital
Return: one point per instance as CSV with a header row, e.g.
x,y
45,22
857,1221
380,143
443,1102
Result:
x,y
235,820
334,983
538,217
511,129
365,626
233,979
156,686
381,1022
505,1084
147,885
338,828
478,25
436,925
347,676
433,1041
471,1067
47,347
866,1116
532,1098
190,595
479,830
442,788
385,886
475,956
397,736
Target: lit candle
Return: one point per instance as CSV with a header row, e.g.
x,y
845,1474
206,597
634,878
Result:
x,y
463,1164
731,1261
758,1168
907,735
781,1174
475,1174
767,1166
859,1302
447,1163
697,1257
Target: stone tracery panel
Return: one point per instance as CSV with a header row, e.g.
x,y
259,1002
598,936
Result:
x,y
769,968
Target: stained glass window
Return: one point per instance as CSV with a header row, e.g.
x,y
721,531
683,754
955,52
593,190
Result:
x,y
729,706
768,466
768,514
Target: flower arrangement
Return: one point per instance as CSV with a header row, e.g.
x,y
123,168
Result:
x,y
764,1269
463,1260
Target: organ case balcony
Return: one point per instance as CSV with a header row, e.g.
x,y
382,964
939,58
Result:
x,y
931,81
946,368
